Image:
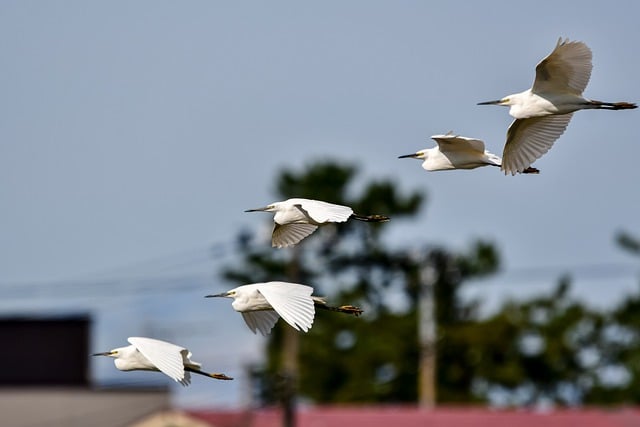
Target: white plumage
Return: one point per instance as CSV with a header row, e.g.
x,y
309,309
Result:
x,y
297,218
457,152
148,354
261,304
543,112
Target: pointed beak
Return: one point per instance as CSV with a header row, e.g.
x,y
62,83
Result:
x,y
409,156
257,209
106,353
224,294
496,102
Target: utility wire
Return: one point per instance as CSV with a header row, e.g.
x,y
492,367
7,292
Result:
x,y
157,275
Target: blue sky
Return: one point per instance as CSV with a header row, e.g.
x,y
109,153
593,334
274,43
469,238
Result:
x,y
135,133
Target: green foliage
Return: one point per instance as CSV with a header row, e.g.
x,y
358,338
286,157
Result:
x,y
549,348
623,342
534,349
373,358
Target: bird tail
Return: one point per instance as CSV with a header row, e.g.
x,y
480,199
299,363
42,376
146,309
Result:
x,y
492,159
612,105
348,309
370,218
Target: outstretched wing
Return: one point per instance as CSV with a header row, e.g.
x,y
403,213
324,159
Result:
x,y
167,357
453,143
566,70
290,234
322,212
528,139
291,301
263,320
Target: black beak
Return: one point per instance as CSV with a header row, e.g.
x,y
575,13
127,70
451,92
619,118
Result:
x,y
224,294
496,102
406,156
106,353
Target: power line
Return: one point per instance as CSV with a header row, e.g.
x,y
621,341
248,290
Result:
x,y
111,285
135,279
209,253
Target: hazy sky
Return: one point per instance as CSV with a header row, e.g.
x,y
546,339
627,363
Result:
x,y
132,131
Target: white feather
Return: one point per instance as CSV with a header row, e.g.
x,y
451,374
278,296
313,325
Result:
x,y
566,69
167,357
291,301
323,212
262,321
529,139
290,234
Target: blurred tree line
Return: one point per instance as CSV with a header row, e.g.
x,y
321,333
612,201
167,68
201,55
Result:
x,y
549,349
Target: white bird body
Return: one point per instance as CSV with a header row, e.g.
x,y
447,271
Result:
x,y
249,298
457,152
130,359
527,104
148,354
543,112
306,211
261,304
297,218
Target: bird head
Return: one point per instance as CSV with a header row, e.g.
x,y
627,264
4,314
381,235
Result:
x,y
419,155
504,101
228,294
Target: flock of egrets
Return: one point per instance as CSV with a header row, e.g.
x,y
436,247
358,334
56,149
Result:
x,y
541,114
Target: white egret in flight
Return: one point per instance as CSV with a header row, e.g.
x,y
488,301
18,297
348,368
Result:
x,y
148,354
543,112
295,219
261,304
457,152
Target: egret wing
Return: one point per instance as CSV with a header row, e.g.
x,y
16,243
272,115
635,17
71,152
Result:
x,y
566,69
290,234
322,212
528,139
291,301
451,143
167,357
262,321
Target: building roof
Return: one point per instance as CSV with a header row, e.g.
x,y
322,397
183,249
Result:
x,y
63,407
402,416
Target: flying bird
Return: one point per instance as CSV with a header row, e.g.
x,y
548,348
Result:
x,y
148,354
295,219
457,152
261,304
543,112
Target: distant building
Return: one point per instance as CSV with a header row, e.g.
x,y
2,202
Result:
x,y
44,378
48,351
78,407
